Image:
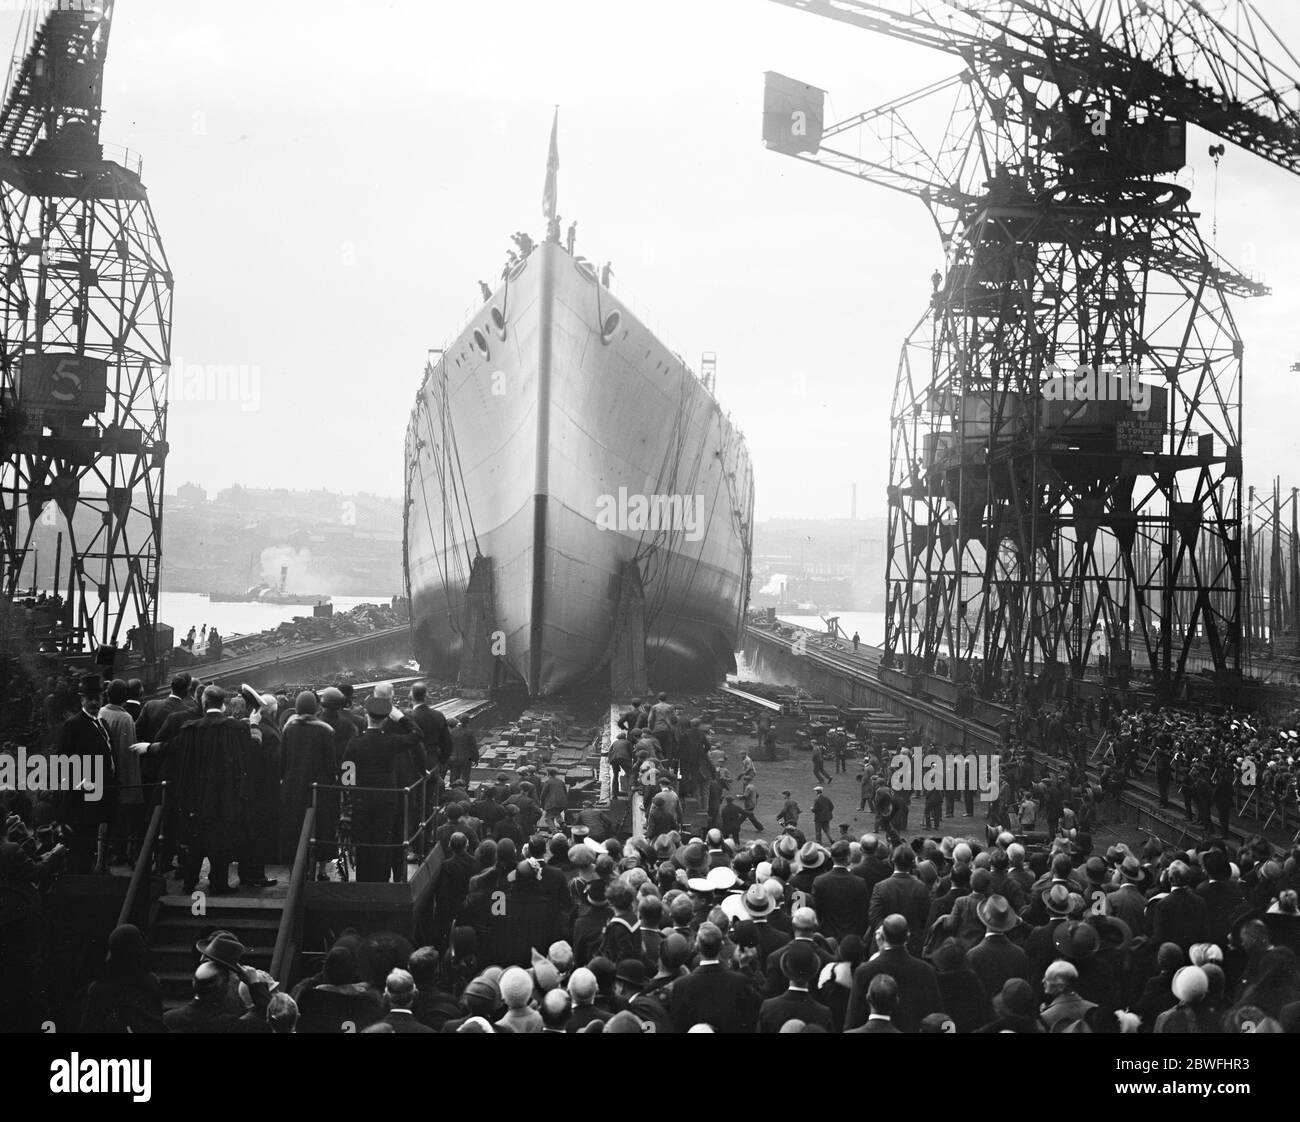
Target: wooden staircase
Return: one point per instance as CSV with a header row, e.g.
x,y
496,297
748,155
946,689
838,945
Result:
x,y
252,919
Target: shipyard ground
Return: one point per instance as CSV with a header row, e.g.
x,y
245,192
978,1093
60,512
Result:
x,y
792,771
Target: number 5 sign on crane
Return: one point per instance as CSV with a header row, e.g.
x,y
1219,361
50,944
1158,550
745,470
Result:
x,y
67,371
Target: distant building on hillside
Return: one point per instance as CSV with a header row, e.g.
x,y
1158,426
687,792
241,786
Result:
x,y
835,563
234,496
191,493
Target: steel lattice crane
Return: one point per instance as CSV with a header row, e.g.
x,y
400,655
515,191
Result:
x,y
1065,487
86,299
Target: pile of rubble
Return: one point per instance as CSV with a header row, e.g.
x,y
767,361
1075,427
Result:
x,y
361,620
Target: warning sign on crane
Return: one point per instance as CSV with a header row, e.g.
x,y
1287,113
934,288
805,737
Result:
x,y
1136,433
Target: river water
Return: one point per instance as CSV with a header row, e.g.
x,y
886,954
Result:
x,y
183,610
870,626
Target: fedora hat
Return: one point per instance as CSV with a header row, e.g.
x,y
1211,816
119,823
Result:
x,y
222,948
1131,870
758,902
799,962
90,685
811,856
1057,900
1076,940
1114,933
997,914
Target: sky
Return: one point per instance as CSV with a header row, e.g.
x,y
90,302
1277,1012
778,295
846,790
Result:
x,y
331,180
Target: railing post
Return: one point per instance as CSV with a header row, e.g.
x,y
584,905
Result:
x,y
424,817
281,959
406,820
162,803
140,871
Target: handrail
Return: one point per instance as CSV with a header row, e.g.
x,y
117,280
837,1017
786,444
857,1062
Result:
x,y
288,918
353,788
422,784
141,869
126,157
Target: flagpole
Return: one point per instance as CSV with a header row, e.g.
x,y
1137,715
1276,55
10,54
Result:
x,y
550,193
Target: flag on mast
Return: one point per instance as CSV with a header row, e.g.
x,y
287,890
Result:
x,y
552,166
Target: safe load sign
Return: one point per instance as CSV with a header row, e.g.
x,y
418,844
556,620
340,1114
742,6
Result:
x,y
1137,433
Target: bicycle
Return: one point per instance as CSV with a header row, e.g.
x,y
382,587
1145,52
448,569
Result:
x,y
346,857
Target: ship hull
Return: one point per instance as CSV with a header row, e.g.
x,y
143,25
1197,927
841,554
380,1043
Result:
x,y
561,441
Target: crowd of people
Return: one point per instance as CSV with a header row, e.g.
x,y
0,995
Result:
x,y
234,776
540,924
1218,763
565,933
239,771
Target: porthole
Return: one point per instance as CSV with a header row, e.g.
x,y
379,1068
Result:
x,y
498,323
481,343
610,326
